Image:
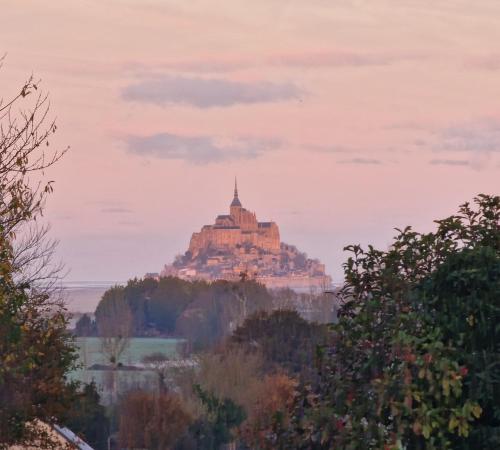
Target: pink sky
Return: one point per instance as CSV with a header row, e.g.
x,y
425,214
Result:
x,y
342,119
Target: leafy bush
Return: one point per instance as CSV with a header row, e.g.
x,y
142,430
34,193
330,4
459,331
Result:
x,y
415,360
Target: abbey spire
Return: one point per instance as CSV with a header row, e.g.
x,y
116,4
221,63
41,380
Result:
x,y
236,200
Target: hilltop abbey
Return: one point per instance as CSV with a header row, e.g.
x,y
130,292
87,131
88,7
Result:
x,y
238,244
237,228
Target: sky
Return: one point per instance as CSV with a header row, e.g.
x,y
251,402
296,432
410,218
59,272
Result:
x,y
342,119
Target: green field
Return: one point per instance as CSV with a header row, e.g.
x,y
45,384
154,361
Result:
x,y
90,349
90,353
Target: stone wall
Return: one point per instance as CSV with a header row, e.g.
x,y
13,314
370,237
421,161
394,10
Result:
x,y
266,238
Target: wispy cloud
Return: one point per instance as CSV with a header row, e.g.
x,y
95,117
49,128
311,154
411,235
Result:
x,y
340,59
482,135
200,66
368,161
198,149
449,162
231,63
206,93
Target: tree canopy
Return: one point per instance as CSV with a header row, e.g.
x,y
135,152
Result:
x,y
414,362
285,340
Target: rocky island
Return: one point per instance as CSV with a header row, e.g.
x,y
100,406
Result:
x,y
237,245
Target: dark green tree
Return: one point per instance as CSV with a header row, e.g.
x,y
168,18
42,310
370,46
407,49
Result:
x,y
137,294
461,299
284,339
169,300
414,361
85,326
87,417
222,417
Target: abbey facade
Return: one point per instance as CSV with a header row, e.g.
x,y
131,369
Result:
x,y
239,227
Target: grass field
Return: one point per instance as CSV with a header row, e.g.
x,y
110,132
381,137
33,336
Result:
x,y
90,353
90,350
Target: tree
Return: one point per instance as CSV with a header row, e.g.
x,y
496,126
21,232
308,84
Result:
x,y
269,412
36,352
85,326
218,308
114,324
285,340
462,301
169,300
218,425
153,422
138,294
87,417
231,373
414,361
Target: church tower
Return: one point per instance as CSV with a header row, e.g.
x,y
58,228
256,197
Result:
x,y
235,208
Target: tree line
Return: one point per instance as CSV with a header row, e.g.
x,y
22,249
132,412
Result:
x,y
199,311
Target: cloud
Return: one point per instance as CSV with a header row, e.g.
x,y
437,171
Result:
x,y
230,63
116,210
340,59
360,161
198,149
449,162
206,93
201,65
479,136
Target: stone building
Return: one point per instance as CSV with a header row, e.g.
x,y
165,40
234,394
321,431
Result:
x,y
239,227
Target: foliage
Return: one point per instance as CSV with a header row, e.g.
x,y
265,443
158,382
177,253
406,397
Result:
x,y
150,421
415,362
114,323
87,417
285,340
231,373
85,326
461,299
36,352
216,427
269,412
170,298
200,311
219,308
